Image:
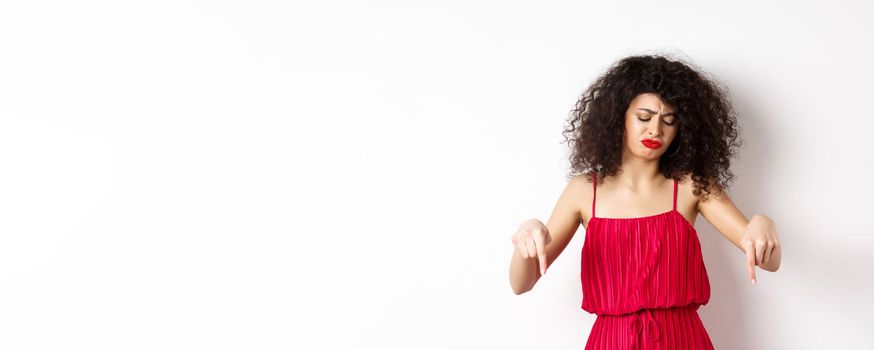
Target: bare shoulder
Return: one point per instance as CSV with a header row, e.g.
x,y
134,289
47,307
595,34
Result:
x,y
583,184
686,188
691,203
687,201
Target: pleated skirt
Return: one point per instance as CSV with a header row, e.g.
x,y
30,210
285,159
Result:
x,y
650,329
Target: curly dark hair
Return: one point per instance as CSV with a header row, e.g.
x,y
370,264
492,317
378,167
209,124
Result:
x,y
707,134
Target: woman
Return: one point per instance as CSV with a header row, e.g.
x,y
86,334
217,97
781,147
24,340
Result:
x,y
651,142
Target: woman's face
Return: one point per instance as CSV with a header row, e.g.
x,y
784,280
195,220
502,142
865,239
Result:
x,y
650,126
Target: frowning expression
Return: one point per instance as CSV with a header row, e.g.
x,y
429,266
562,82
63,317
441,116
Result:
x,y
650,126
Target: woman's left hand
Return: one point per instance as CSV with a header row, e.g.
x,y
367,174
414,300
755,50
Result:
x,y
761,244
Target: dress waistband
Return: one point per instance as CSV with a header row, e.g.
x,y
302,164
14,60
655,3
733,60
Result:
x,y
645,327
643,324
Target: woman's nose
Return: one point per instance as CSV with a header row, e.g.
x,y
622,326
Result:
x,y
654,129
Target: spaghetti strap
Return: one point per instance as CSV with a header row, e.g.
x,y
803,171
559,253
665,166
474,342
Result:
x,y
675,195
594,191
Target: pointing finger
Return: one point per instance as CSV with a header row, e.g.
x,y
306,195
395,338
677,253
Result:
x,y
751,260
541,253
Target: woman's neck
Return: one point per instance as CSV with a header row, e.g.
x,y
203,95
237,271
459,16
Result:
x,y
638,173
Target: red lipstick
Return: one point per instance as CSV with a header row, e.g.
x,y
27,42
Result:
x,y
654,144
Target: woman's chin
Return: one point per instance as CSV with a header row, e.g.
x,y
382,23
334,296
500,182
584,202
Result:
x,y
650,156
650,153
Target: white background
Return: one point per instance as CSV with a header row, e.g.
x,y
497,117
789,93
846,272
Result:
x,y
343,175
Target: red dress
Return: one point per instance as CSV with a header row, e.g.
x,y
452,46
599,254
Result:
x,y
645,279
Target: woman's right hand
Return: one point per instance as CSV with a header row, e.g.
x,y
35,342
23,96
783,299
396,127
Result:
x,y
531,239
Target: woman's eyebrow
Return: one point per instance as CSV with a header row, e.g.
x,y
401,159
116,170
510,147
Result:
x,y
653,112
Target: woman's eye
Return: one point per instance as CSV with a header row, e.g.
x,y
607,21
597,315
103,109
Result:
x,y
672,122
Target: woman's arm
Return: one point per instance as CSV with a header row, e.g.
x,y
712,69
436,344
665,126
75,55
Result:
x,y
721,212
756,237
561,226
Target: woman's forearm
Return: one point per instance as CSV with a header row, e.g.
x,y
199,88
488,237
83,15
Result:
x,y
524,273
